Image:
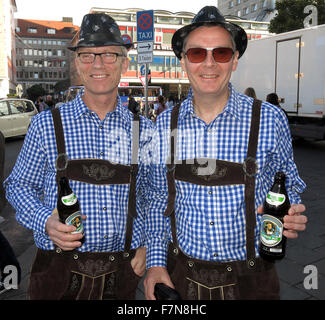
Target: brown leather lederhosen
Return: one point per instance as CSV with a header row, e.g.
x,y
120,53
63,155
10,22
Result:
x,y
195,279
89,275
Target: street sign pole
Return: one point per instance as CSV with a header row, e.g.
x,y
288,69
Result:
x,y
145,39
146,92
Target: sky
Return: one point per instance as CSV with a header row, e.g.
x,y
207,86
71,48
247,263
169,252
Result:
x,y
56,9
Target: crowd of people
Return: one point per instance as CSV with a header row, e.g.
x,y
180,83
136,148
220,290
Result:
x,y
160,105
272,98
181,198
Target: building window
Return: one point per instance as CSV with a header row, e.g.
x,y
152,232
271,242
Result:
x,y
231,4
254,7
17,29
51,31
245,11
32,30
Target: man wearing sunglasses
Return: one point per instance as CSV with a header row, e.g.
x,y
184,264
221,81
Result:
x,y
214,160
99,145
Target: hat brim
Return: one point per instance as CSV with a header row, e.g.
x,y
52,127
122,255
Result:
x,y
94,45
237,33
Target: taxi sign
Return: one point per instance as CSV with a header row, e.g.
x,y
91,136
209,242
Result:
x,y
145,26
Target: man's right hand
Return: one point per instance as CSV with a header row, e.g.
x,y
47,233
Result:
x,y
60,233
156,275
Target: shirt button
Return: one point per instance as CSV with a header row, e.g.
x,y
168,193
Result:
x,y
104,208
105,236
215,254
210,192
211,223
102,153
100,127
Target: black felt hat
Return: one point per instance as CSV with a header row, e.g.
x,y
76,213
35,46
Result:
x,y
210,15
99,30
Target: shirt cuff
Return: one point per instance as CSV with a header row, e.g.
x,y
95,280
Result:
x,y
39,220
156,256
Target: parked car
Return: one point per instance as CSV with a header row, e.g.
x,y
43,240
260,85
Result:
x,y
15,116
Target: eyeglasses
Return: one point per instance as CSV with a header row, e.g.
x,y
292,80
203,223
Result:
x,y
107,57
221,55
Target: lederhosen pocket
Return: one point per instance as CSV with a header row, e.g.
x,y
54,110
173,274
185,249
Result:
x,y
75,275
197,279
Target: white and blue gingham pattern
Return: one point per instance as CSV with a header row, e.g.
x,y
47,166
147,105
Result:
x,y
32,190
211,220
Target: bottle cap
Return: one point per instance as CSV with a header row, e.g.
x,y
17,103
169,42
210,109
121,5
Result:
x,y
280,175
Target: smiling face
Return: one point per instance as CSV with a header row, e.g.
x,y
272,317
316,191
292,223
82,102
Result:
x,y
101,78
209,77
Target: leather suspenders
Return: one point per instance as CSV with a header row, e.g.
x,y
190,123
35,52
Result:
x,y
225,173
97,171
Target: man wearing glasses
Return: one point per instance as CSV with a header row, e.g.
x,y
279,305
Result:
x,y
101,148
214,160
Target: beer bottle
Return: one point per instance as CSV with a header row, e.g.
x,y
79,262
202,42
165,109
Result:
x,y
276,205
68,207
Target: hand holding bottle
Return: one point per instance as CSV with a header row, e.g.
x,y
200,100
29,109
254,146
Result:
x,y
60,233
294,221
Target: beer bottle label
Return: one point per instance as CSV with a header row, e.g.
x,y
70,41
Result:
x,y
275,199
76,221
271,230
69,200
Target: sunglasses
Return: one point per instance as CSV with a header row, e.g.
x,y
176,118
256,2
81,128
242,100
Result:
x,y
221,55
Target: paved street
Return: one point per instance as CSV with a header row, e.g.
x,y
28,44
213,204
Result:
x,y
307,250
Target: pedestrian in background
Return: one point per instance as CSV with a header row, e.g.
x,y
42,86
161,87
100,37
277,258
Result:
x,y
161,105
133,106
274,99
250,92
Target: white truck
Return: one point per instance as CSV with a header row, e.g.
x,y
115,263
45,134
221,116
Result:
x,y
291,64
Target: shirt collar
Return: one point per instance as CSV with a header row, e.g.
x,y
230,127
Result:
x,y
81,108
232,107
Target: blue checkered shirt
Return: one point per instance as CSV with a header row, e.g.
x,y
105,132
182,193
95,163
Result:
x,y
32,189
211,220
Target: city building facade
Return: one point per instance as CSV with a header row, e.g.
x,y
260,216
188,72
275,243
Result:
x,y
42,56
165,68
256,10
7,48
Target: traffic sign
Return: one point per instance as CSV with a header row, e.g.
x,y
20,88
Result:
x,y
145,57
145,26
145,47
143,79
126,39
143,70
